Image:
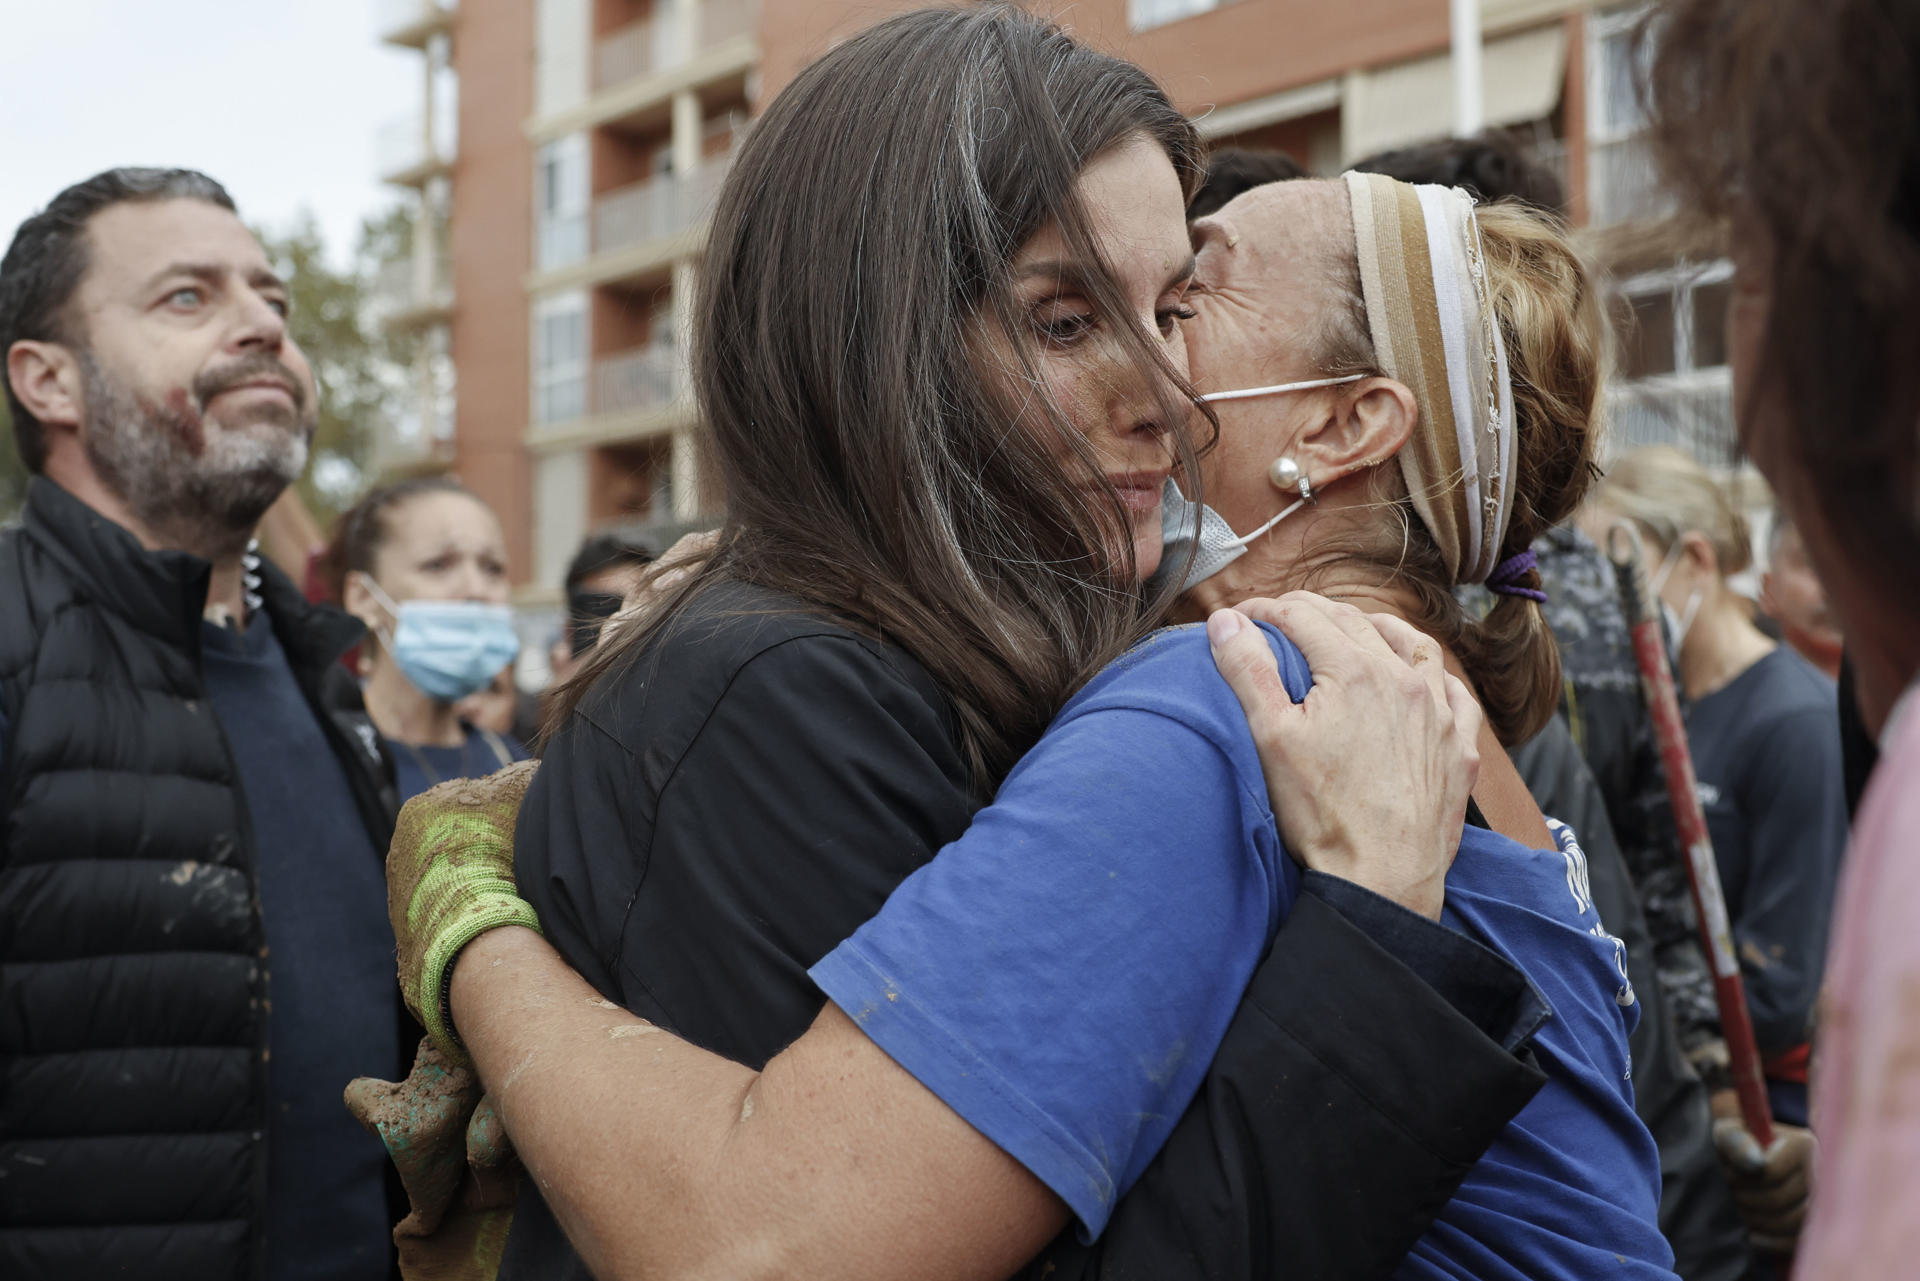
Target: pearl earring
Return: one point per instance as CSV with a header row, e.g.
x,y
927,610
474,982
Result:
x,y
1286,475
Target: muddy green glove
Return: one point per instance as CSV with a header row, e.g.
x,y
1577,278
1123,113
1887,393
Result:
x,y
450,880
455,1162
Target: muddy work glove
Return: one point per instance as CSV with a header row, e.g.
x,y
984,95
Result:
x,y
450,880
454,1160
1770,1187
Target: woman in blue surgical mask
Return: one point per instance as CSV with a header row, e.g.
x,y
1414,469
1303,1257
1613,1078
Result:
x,y
423,564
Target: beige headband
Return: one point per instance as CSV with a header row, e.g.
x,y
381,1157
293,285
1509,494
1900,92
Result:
x,y
1430,314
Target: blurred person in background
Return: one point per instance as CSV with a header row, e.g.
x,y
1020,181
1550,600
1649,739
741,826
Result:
x,y
503,708
423,564
1490,167
1791,595
1763,727
194,809
1798,124
1232,170
602,574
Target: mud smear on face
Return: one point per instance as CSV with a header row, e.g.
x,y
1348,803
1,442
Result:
x,y
183,421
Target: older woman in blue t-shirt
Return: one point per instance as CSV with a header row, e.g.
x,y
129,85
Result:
x,y
1408,394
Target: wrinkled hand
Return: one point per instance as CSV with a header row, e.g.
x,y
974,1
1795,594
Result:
x,y
454,1160
666,573
1369,775
1771,1188
449,880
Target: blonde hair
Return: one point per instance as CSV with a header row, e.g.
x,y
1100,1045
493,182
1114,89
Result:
x,y
1669,495
1557,355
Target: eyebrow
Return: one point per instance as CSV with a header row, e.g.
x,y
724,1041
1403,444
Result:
x,y
1070,271
212,273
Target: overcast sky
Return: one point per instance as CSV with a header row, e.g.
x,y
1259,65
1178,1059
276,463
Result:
x,y
280,100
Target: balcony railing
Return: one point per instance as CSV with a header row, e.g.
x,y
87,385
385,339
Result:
x,y
657,208
1692,410
410,22
650,377
656,43
404,153
401,293
1623,184
644,47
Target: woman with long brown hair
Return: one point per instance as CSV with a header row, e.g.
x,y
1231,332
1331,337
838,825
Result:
x,y
752,770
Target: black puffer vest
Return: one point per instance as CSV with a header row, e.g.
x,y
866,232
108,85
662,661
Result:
x,y
133,968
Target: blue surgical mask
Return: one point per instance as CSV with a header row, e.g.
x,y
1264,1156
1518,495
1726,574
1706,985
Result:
x,y
447,648
1214,544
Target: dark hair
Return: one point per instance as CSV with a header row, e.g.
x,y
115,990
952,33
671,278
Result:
x,y
363,529
1232,170
1490,167
854,295
605,551
48,258
1805,118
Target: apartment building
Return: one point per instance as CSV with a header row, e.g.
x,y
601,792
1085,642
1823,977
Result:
x,y
556,242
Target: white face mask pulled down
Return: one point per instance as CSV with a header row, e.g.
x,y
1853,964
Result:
x,y
1681,623
1197,539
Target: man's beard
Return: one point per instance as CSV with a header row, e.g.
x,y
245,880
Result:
x,y
200,485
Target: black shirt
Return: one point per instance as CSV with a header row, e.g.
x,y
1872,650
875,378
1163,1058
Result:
x,y
716,818
720,814
336,1016
1766,753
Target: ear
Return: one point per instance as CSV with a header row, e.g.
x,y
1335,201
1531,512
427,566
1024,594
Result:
x,y
46,377
1370,423
358,601
1696,549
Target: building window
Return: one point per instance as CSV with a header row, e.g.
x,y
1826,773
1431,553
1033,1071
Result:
x,y
1618,65
1674,386
1142,14
560,202
560,358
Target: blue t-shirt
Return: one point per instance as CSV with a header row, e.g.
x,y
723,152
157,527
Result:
x,y
323,895
416,768
1062,975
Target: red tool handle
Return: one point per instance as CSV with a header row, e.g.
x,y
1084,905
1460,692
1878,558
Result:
x,y
1703,875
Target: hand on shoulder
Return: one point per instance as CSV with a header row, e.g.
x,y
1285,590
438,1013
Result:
x,y
1370,773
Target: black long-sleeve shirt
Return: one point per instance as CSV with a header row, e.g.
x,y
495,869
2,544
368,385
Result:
x,y
728,808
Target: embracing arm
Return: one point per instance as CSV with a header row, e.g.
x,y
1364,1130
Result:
x,y
662,1160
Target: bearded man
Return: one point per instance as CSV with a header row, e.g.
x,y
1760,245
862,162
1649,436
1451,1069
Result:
x,y
191,796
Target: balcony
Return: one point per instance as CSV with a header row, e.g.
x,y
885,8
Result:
x,y
638,69
639,381
656,43
405,298
1623,184
410,24
634,234
406,156
642,394
655,209
1692,410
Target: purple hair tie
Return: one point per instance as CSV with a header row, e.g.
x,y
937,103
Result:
x,y
1506,577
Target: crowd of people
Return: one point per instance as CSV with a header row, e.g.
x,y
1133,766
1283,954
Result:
x,y
908,883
